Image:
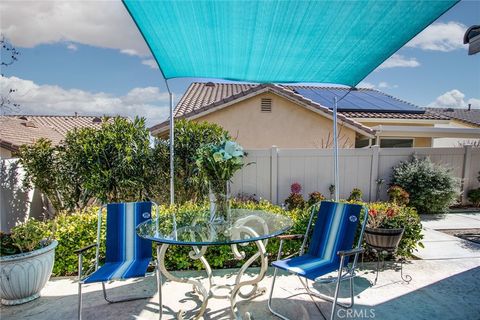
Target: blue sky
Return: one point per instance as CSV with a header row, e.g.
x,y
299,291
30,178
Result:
x,y
89,57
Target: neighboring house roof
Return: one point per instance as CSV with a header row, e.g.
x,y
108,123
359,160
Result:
x,y
471,116
395,115
26,129
201,97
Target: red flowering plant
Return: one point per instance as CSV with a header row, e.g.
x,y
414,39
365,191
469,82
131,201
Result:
x,y
295,199
386,216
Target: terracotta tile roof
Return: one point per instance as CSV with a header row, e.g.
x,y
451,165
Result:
x,y
396,115
201,97
16,132
26,129
200,94
469,116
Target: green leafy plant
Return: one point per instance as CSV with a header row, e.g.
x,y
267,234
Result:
x,y
40,161
432,188
314,198
25,237
189,137
474,197
111,164
392,216
355,195
398,195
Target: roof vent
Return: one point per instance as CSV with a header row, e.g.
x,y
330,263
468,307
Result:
x,y
30,124
209,84
266,105
97,120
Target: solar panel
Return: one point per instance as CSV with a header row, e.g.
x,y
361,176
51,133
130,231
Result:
x,y
357,100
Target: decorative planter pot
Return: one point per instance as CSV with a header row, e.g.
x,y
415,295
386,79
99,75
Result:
x,y
219,195
383,239
23,275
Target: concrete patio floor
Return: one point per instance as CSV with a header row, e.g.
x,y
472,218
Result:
x,y
445,286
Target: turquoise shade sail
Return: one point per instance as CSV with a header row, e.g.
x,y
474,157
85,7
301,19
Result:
x,y
279,41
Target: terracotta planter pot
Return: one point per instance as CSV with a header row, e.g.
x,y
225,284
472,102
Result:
x,y
383,239
23,275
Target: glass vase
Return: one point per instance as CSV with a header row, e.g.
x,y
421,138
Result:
x,y
219,195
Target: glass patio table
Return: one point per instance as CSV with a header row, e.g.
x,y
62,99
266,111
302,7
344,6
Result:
x,y
194,229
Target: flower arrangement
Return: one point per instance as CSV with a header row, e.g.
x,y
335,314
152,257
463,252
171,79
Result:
x,y
220,162
387,215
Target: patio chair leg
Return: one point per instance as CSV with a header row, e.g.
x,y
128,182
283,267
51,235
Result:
x,y
270,298
125,299
337,289
79,301
352,298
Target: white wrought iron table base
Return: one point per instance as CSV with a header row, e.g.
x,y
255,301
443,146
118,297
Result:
x,y
233,291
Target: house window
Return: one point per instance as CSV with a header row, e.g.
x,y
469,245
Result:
x,y
266,105
396,143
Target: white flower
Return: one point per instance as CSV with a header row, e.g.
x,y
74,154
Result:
x,y
233,149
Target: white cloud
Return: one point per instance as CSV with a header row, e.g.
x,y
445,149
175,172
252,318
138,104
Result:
x,y
130,52
380,85
72,47
440,36
454,99
151,63
397,60
104,24
147,102
386,85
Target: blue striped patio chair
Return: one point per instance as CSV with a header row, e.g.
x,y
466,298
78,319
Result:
x,y
329,249
127,255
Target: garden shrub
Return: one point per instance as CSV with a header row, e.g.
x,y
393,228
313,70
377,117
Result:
x,y
314,197
398,195
474,194
77,230
189,137
295,199
355,195
111,164
474,197
432,188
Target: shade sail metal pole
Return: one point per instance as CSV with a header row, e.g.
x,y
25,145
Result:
x,y
172,149
335,151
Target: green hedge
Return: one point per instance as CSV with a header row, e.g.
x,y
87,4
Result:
x,y
76,230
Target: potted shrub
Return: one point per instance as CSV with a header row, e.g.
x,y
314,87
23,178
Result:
x,y
384,228
26,262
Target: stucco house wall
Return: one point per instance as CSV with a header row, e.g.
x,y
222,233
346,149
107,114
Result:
x,y
454,142
288,125
5,153
418,142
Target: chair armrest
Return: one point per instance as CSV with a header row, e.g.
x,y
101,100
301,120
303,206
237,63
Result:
x,y
351,252
81,250
290,236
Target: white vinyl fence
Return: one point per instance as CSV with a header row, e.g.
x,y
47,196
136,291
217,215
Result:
x,y
272,171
